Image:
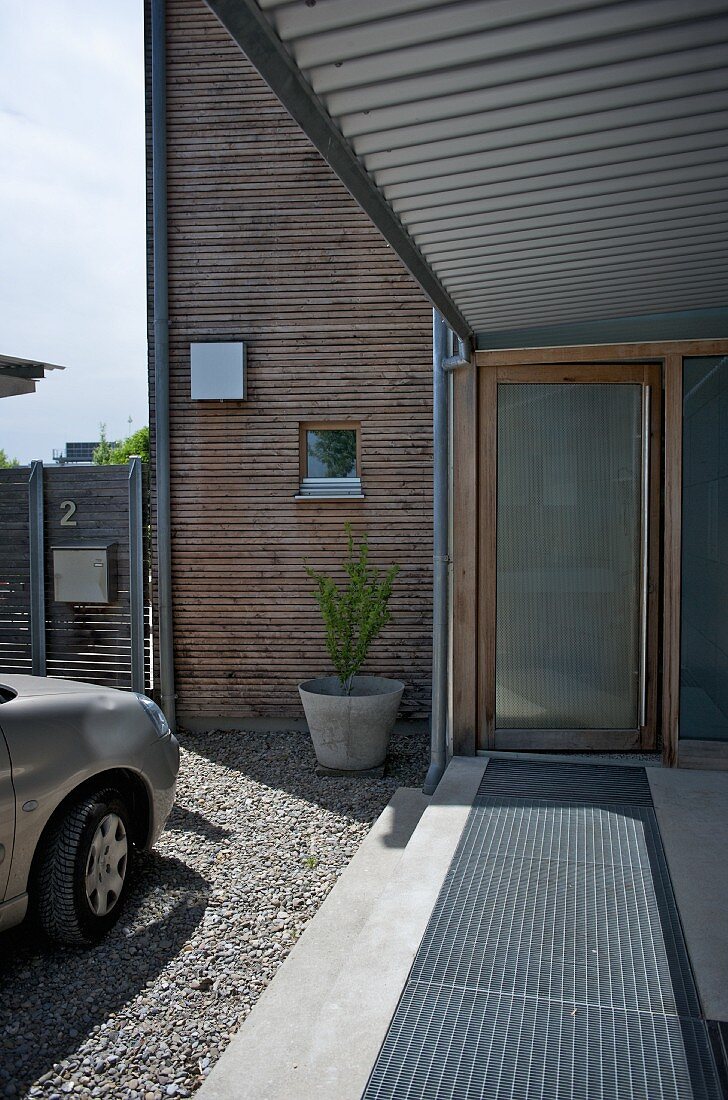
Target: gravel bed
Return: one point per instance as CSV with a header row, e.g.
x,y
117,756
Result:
x,y
254,845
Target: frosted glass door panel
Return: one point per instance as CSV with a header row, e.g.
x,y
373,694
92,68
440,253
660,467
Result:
x,y
569,541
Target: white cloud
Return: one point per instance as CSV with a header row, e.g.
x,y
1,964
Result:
x,y
72,218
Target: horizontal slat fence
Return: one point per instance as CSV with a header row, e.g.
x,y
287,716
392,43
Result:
x,y
83,506
15,648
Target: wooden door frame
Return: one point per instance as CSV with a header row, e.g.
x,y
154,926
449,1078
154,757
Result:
x,y
643,738
473,395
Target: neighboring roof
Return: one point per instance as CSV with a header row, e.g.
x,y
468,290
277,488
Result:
x,y
19,376
78,452
553,161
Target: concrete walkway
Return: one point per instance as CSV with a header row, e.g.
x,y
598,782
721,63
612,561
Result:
x,y
318,1028
692,812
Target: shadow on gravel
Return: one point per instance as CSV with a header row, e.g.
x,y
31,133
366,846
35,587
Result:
x,y
189,821
52,998
286,761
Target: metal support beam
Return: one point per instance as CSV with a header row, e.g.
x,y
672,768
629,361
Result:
x,y
37,570
441,365
438,718
652,328
136,573
249,27
161,359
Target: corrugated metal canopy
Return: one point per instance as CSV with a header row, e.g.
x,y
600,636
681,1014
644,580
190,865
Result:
x,y
553,161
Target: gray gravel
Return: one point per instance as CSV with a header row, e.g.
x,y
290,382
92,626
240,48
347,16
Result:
x,y
255,843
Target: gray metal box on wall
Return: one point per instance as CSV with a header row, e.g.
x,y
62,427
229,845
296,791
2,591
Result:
x,y
84,574
218,371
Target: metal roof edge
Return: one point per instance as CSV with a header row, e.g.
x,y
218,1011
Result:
x,y
12,363
695,324
250,29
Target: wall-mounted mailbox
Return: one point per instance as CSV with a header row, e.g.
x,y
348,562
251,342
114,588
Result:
x,y
84,574
217,371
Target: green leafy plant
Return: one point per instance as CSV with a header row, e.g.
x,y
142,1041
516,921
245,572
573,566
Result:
x,y
111,454
135,444
355,614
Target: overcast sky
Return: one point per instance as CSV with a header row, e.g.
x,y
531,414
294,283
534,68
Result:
x,y
72,222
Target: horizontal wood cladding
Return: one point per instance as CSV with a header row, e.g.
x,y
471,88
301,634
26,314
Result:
x,y
267,246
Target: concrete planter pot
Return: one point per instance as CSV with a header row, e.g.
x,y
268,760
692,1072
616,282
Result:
x,y
351,732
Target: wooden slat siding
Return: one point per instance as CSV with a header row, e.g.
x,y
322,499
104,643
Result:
x,y
15,653
267,246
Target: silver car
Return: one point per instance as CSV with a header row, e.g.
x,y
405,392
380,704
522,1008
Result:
x,y
87,774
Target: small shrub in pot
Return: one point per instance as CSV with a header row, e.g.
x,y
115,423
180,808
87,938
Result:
x,y
350,716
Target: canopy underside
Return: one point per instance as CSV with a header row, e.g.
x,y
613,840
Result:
x,y
553,161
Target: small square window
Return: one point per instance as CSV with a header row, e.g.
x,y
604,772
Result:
x,y
330,455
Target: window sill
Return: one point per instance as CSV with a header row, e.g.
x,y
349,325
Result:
x,y
330,488
319,497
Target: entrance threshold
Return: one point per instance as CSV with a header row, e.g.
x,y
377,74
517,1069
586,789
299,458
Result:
x,y
608,759
554,964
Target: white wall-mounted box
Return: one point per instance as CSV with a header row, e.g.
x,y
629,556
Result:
x,y
84,574
218,371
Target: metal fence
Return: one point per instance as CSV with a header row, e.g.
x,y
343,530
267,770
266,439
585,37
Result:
x,y
74,508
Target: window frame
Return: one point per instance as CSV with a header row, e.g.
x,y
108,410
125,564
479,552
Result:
x,y
305,426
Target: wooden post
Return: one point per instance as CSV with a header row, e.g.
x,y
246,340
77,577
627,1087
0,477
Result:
x,y
465,560
672,560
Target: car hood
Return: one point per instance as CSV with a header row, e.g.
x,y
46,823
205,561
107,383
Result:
x,y
25,687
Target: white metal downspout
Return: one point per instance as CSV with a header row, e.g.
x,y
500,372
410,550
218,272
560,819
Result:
x,y
441,364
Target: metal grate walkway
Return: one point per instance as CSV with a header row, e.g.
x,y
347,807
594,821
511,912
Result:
x,y
553,965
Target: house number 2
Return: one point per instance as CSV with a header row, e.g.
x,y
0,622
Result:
x,y
70,511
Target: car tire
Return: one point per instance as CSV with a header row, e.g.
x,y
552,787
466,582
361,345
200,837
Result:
x,y
84,870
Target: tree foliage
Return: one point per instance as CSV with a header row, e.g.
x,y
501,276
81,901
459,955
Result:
x,y
335,448
102,454
7,463
137,443
355,614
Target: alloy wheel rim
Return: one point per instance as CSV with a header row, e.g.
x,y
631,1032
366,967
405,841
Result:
x,y
106,865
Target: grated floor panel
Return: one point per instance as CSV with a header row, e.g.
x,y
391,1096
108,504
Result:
x,y
554,963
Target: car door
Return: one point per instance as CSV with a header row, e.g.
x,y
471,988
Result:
x,y
7,816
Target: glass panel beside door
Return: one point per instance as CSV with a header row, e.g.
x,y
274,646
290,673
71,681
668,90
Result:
x,y
704,588
573,579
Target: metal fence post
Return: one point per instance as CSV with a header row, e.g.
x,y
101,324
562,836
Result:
x,y
37,570
136,573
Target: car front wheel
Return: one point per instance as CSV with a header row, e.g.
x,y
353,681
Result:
x,y
84,870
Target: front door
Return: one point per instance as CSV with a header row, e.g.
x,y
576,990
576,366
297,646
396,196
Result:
x,y
570,592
